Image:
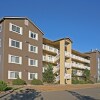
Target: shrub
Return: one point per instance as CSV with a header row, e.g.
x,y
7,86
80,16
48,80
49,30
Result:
x,y
18,82
36,82
3,86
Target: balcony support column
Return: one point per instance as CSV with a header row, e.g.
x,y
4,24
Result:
x,y
62,61
69,60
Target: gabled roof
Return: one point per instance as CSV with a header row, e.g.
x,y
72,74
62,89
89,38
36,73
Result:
x,y
2,19
64,39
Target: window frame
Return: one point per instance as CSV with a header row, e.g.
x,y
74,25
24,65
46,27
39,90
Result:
x,y
30,32
33,47
29,63
10,28
36,75
14,62
19,74
10,44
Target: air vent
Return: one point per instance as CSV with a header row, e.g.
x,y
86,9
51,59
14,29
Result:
x,y
26,56
26,42
26,22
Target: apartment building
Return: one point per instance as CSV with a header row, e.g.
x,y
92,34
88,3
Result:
x,y
20,49
94,64
64,59
24,53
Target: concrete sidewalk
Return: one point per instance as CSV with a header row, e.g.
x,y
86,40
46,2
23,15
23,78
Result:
x,y
62,87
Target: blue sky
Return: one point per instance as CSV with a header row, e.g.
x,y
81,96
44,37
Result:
x,y
77,19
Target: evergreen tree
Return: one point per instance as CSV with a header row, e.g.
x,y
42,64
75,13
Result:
x,y
48,75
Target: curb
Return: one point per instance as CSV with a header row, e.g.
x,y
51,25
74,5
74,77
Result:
x,y
4,94
9,92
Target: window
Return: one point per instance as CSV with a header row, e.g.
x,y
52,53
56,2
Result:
x,y
32,76
0,42
15,59
15,43
15,28
32,62
33,49
0,27
33,35
14,74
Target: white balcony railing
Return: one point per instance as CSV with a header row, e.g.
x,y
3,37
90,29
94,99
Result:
x,y
48,59
80,58
67,76
57,57
68,54
56,69
67,65
79,74
49,48
57,78
80,66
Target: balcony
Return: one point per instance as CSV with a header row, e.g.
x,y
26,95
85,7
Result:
x,y
67,65
80,66
80,58
47,59
67,76
50,49
57,57
79,74
56,68
67,54
57,78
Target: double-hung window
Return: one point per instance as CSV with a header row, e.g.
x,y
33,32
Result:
x,y
33,35
15,43
14,59
33,62
15,28
33,49
14,74
32,76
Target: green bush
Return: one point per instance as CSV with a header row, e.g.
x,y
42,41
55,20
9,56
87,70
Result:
x,y
48,75
3,86
18,82
36,82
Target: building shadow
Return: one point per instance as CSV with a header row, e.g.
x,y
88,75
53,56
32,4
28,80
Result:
x,y
27,94
81,97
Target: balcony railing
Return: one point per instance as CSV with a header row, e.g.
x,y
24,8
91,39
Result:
x,y
67,76
68,54
51,49
80,58
67,65
57,57
79,74
46,58
80,66
56,68
57,78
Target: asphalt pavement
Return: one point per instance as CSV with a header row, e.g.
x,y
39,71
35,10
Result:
x,y
31,94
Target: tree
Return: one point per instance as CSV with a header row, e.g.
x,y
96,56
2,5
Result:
x,y
48,75
86,74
